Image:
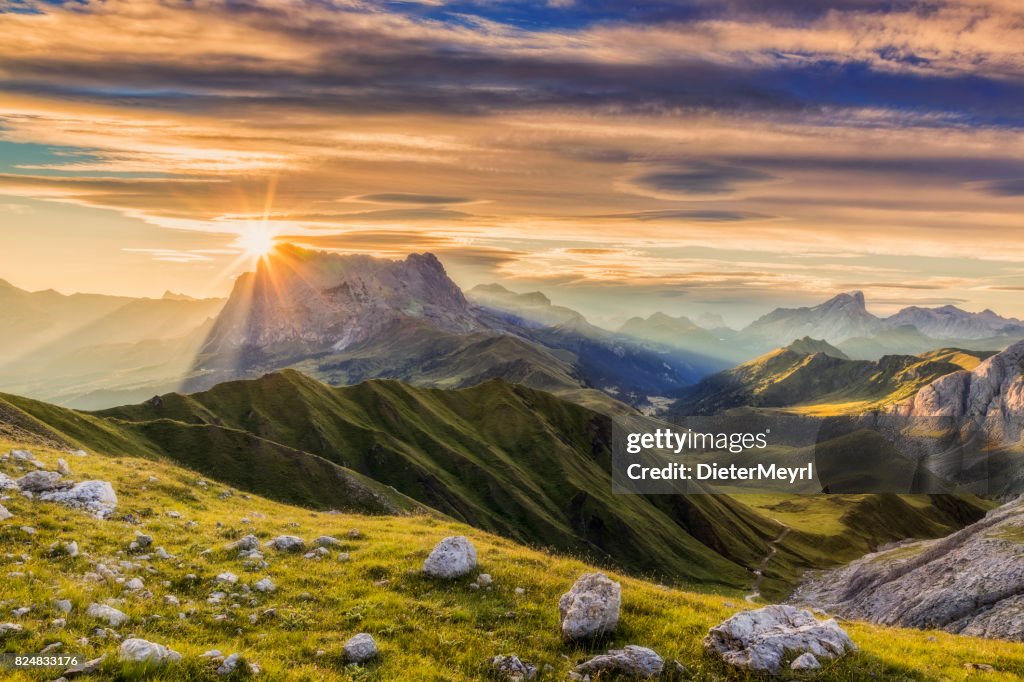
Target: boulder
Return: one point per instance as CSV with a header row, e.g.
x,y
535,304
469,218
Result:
x,y
112,616
632,661
42,481
287,543
227,577
360,648
140,651
95,497
590,608
452,557
7,483
512,669
4,514
10,629
759,640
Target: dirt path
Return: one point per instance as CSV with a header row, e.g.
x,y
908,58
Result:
x,y
759,571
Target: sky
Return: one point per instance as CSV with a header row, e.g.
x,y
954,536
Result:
x,y
683,156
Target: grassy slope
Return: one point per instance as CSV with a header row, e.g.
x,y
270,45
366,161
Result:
x,y
504,458
228,454
794,380
426,630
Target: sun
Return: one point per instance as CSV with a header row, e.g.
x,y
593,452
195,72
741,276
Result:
x,y
256,243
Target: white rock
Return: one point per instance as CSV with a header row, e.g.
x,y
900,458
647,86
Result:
x,y
632,661
134,585
96,497
6,483
805,661
287,543
591,607
360,648
4,514
265,585
23,455
758,640
62,605
141,651
63,468
484,580
226,577
452,557
10,629
112,616
171,600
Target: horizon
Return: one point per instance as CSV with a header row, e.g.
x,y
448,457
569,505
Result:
x,y
681,156
607,322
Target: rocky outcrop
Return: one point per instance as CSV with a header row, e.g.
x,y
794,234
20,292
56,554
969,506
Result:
x,y
302,302
590,608
96,497
760,640
970,583
452,557
988,401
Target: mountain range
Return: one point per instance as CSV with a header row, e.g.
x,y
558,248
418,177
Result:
x,y
345,319
845,321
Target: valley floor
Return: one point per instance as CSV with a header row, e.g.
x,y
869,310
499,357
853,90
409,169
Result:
x,y
425,629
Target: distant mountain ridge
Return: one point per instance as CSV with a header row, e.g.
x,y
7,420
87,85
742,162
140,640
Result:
x,y
810,376
845,319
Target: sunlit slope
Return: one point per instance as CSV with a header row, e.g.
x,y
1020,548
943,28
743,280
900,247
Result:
x,y
425,630
229,455
501,457
812,377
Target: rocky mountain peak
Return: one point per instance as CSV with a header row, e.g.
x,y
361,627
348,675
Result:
x,y
301,301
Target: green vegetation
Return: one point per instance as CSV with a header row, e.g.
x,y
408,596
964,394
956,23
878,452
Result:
x,y
813,378
425,630
503,458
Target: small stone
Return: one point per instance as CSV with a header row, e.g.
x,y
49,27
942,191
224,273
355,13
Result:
x,y
327,541
512,669
226,578
4,514
287,543
87,668
62,468
360,648
62,605
484,580
140,651
354,534
112,616
143,541
134,585
10,629
805,661
265,585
